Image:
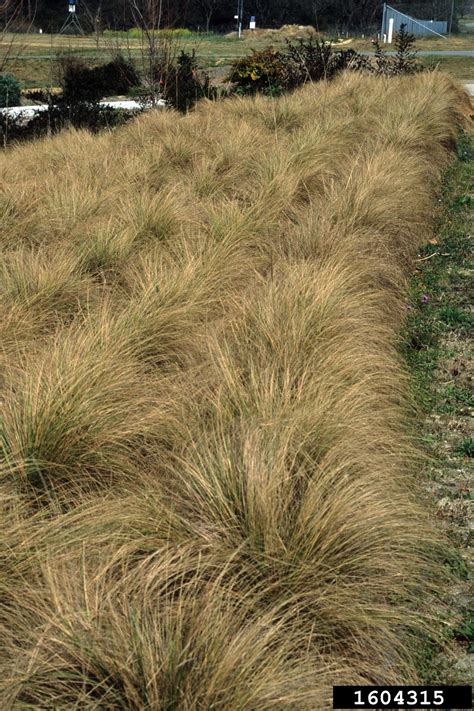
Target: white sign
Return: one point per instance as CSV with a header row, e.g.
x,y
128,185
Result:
x,y
253,23
72,8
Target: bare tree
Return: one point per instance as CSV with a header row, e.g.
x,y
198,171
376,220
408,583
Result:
x,y
11,10
208,8
148,16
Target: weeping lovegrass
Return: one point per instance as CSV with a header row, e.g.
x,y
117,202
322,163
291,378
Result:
x,y
209,487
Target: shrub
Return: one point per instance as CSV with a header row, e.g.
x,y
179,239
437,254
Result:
x,y
312,60
77,81
404,61
270,71
180,81
190,85
78,104
118,76
9,90
92,116
381,64
80,82
262,71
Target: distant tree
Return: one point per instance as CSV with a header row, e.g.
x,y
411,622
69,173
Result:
x,y
208,7
148,16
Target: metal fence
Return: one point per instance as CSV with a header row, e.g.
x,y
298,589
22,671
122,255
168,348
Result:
x,y
419,28
438,10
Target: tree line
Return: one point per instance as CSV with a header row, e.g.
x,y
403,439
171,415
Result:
x,y
217,15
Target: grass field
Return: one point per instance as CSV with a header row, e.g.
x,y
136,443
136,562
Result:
x,y
441,325
460,68
210,488
32,57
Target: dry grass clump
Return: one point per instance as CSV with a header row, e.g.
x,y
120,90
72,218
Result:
x,y
208,488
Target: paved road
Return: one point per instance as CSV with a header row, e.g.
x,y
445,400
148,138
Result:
x,y
440,53
448,52
422,53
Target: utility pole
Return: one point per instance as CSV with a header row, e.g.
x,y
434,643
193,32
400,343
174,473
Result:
x,y
239,16
451,18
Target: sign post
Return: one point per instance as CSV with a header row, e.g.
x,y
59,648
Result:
x,y
390,30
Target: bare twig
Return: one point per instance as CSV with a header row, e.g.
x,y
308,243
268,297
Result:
x,y
423,259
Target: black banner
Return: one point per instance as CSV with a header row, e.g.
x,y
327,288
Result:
x,y
402,697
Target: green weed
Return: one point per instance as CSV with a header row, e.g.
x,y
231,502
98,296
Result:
x,y
466,447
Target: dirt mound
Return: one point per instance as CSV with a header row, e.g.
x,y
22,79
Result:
x,y
297,30
272,33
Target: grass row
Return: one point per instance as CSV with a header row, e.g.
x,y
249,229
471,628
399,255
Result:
x,y
209,486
